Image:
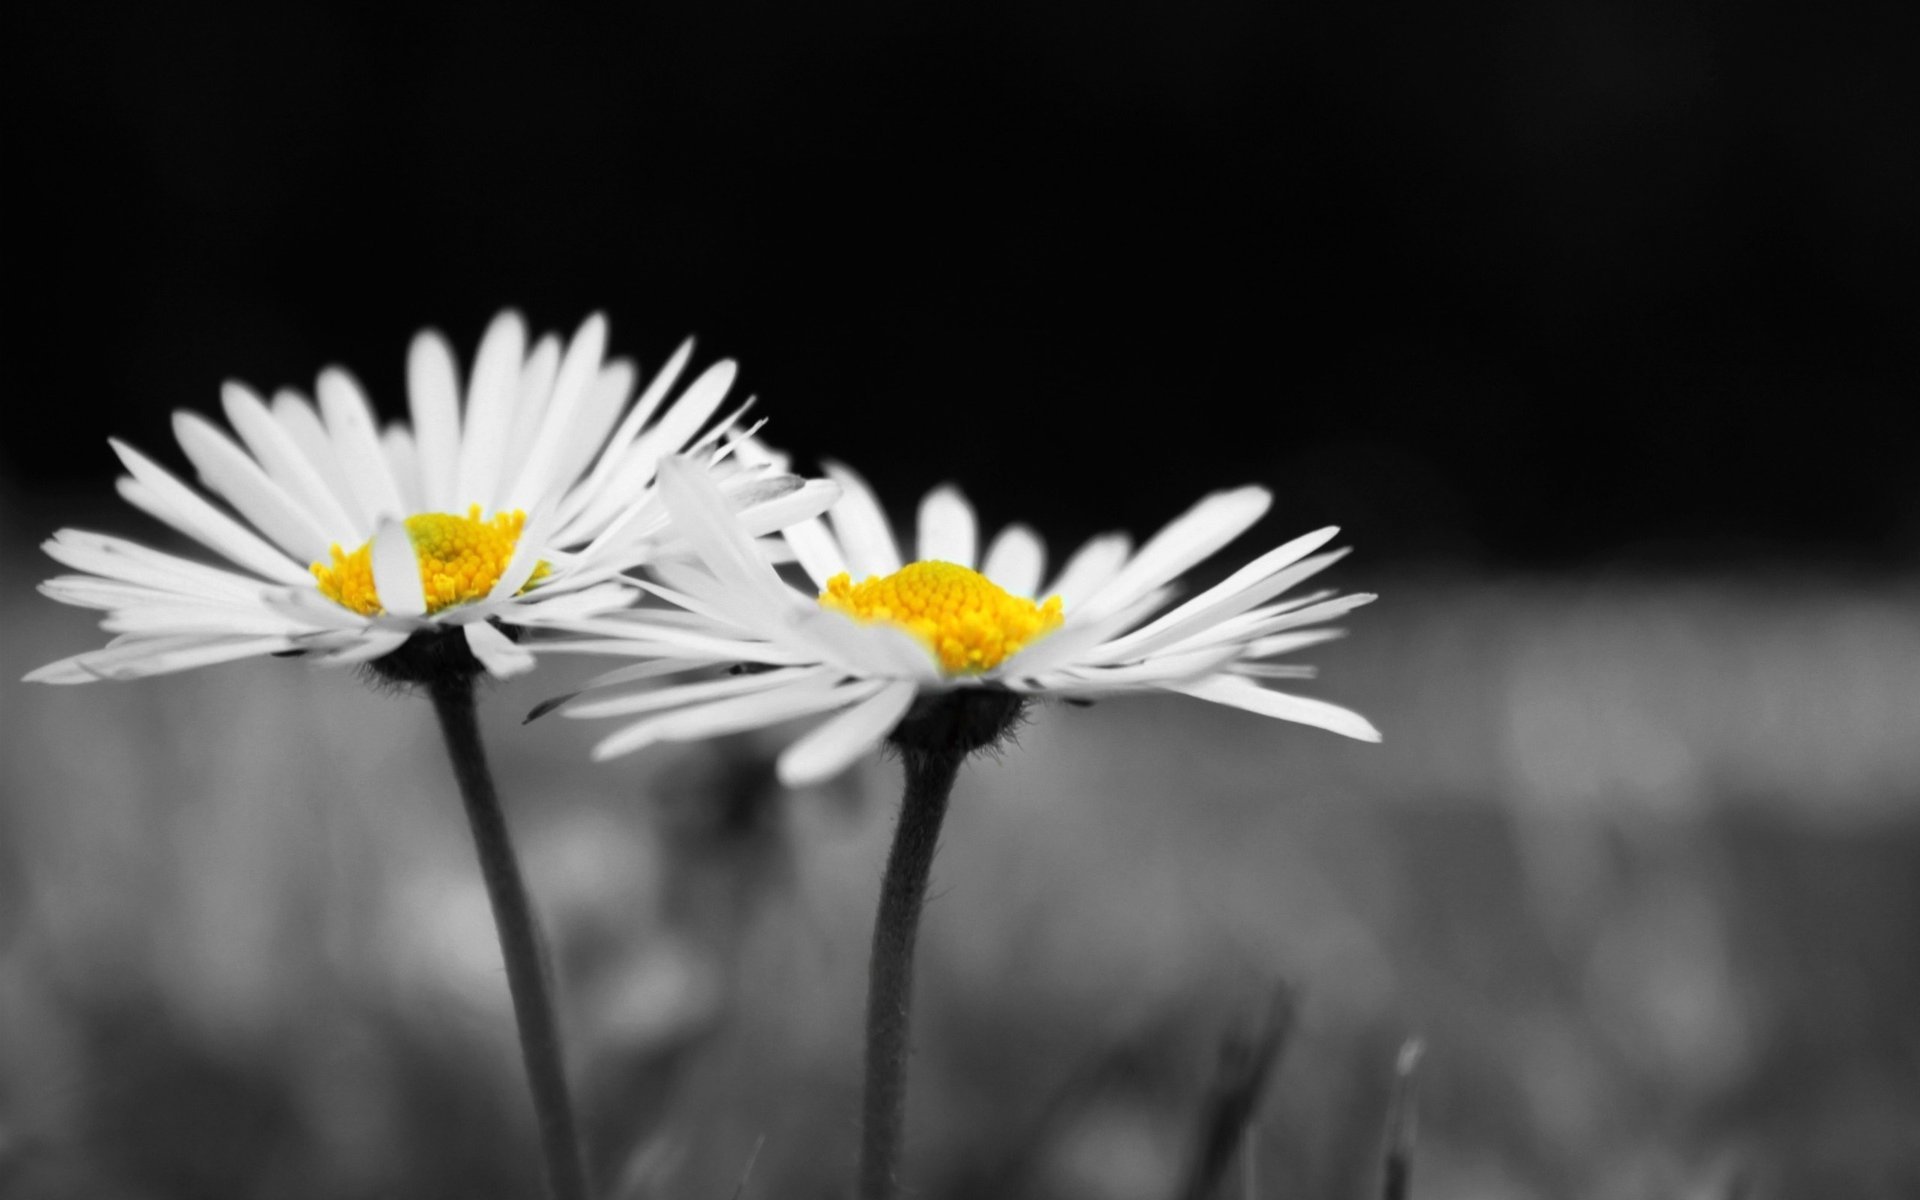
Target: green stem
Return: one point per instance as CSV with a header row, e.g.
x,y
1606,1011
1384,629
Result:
x,y
903,892
528,976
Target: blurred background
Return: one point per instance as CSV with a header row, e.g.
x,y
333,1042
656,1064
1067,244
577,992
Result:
x,y
1591,323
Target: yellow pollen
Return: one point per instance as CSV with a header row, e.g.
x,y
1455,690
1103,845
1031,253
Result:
x,y
969,621
461,558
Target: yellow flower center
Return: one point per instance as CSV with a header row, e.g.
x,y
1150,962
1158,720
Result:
x,y
969,621
461,558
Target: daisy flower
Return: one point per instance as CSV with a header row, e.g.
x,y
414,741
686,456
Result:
x,y
516,509
424,551
938,657
874,640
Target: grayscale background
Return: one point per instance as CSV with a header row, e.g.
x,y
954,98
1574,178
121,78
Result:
x,y
1592,324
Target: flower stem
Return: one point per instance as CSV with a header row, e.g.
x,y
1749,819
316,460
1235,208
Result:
x,y
528,976
903,891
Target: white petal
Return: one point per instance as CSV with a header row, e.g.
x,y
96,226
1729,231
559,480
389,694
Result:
x,y
690,649
816,549
188,620
356,443
694,588
1286,643
187,512
267,438
1194,535
488,420
703,517
948,531
142,657
831,748
90,591
310,608
403,463
695,407
118,558
1259,581
297,419
230,471
533,401
1158,670
862,527
1261,670
396,571
527,553
614,452
1074,643
1016,560
368,645
433,397
783,508
733,715
1243,693
606,396
683,695
496,651
1091,566
1312,614
869,648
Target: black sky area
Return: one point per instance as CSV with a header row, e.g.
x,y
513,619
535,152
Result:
x,y
1531,283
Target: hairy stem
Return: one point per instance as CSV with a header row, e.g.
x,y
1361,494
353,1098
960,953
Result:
x,y
903,892
528,977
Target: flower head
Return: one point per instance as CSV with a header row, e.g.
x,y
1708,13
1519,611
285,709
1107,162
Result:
x,y
876,640
515,508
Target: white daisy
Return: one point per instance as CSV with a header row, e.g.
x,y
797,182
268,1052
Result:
x,y
952,623
516,509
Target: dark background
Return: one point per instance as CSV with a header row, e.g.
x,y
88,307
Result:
x,y
1592,323
1529,283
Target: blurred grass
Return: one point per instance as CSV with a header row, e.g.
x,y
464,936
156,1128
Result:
x,y
1638,861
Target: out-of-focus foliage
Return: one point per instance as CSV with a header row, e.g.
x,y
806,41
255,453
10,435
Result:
x,y
1638,860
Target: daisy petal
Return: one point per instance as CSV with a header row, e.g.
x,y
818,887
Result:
x,y
686,694
1091,566
816,549
490,404
527,553
694,408
702,515
403,462
831,748
1286,643
864,648
366,646
532,396
118,558
808,694
1242,693
180,507
1016,560
356,442
496,651
1259,581
433,397
615,451
786,504
598,411
297,419
396,571
266,437
948,531
1188,539
862,527
230,471
141,657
